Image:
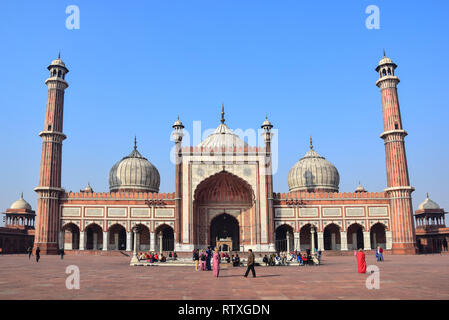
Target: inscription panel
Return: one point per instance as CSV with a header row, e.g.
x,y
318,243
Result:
x,y
140,212
93,212
284,213
355,212
308,212
116,212
331,212
378,211
164,213
71,212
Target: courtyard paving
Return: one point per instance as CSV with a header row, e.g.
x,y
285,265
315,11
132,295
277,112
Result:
x,y
111,277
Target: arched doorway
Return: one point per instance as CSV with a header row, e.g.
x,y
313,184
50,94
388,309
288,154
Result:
x,y
217,194
225,226
117,237
143,237
165,233
331,237
281,238
305,237
71,236
94,235
355,237
378,237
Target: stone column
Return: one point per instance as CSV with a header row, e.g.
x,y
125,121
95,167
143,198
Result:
x,y
320,241
138,241
134,258
366,240
333,241
160,241
288,242
105,240
344,241
312,244
95,241
152,241
297,241
82,240
389,236
128,241
61,239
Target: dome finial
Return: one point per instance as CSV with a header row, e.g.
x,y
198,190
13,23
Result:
x,y
311,145
21,195
222,113
59,54
135,143
384,53
427,195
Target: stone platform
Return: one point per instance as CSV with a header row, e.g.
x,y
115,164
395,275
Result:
x,y
111,277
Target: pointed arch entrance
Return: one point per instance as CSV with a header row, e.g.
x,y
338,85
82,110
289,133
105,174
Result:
x,y
225,226
223,206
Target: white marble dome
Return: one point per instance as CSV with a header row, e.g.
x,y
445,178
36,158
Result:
x,y
428,204
134,173
21,204
313,173
223,137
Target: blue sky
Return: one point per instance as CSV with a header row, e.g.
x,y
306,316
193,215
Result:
x,y
135,65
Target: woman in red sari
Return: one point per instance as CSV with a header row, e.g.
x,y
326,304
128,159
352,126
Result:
x,y
361,263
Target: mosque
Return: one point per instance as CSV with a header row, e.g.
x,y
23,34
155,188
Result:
x,y
224,194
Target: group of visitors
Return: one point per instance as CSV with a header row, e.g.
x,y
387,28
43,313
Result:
x,y
361,262
202,259
152,256
282,259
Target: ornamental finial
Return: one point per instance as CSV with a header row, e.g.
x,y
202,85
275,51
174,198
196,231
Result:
x,y
222,113
311,145
135,143
384,53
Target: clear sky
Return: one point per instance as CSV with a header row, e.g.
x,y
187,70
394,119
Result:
x,y
308,65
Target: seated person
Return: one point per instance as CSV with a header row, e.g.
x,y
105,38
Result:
x,y
175,255
236,261
265,260
277,260
163,258
170,255
228,258
156,258
299,259
304,259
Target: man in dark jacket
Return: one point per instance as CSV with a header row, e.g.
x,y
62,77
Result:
x,y
251,263
38,254
208,258
30,252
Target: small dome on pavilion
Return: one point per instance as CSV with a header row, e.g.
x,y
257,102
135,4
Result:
x,y
360,188
88,188
21,204
428,204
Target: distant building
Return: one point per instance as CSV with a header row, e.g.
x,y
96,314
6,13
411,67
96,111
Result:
x,y
432,235
18,233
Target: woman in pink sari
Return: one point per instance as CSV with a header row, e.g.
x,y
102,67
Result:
x,y
216,263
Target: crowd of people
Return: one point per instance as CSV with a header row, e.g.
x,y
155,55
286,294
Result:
x,y
284,258
155,257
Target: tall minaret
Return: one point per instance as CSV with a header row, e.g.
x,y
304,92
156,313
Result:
x,y
49,189
398,184
177,135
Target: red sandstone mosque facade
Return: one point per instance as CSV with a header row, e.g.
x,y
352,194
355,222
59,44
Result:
x,y
224,192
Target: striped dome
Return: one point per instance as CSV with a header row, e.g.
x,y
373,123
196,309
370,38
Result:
x,y
134,173
313,173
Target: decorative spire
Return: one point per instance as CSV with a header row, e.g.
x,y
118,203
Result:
x,y
21,195
222,114
311,145
135,143
59,55
384,53
427,195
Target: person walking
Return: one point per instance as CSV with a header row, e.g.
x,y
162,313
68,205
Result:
x,y
203,260
216,263
38,254
361,263
196,258
251,263
208,258
61,253
30,252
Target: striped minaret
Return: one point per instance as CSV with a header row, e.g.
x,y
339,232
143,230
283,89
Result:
x,y
398,184
49,189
